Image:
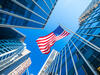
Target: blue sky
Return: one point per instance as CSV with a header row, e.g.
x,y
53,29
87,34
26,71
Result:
x,y
66,12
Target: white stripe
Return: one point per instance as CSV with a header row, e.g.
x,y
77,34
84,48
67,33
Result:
x,y
41,38
41,43
61,36
46,51
43,50
64,35
45,39
47,44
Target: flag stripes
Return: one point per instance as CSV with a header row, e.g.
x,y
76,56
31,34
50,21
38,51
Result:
x,y
47,41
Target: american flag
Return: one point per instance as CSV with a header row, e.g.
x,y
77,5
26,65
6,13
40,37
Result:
x,y
47,41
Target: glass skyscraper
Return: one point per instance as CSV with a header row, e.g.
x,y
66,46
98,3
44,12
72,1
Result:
x,y
80,57
25,13
49,60
12,50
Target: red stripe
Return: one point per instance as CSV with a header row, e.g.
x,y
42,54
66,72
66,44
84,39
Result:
x,y
45,36
47,46
44,48
59,37
62,35
47,52
43,41
46,42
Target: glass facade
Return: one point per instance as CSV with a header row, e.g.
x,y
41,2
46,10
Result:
x,y
79,57
25,13
11,45
21,68
19,64
49,60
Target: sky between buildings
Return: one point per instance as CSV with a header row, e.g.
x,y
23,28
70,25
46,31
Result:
x,y
66,12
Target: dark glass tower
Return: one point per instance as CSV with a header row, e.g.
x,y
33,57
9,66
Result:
x,y
79,57
25,13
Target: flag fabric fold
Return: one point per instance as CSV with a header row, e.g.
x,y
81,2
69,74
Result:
x,y
47,41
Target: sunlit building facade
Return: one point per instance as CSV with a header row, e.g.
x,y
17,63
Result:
x,y
47,63
25,13
19,64
12,50
79,56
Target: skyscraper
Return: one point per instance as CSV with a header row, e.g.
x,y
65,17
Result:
x,y
13,51
25,13
81,55
47,63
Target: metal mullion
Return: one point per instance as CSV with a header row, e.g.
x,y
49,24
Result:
x,y
46,5
92,16
91,22
50,67
93,45
95,19
23,6
92,69
51,3
61,62
54,65
72,60
47,70
95,11
82,65
6,48
3,50
90,27
57,64
66,62
8,25
40,7
88,45
90,35
24,18
93,55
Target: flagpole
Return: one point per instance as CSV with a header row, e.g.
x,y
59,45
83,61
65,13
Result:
x,y
98,49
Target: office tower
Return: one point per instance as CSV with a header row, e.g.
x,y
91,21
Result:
x,y
81,56
47,63
25,13
13,52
